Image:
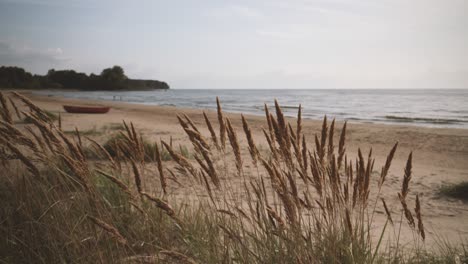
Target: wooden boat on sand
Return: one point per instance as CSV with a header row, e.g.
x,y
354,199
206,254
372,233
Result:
x,y
86,109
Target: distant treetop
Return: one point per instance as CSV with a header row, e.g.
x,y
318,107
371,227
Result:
x,y
110,79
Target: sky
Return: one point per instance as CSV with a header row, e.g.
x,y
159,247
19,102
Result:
x,y
245,44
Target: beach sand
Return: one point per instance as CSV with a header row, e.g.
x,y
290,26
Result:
x,y
440,156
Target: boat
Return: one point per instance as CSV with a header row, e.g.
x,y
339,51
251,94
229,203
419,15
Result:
x,y
86,109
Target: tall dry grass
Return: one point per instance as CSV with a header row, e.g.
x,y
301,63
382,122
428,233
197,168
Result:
x,y
303,202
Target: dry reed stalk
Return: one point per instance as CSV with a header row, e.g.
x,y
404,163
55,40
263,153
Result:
x,y
280,117
276,130
127,129
289,205
292,184
182,123
79,170
161,204
271,145
209,167
333,175
270,125
60,122
183,162
265,196
173,177
387,211
73,149
135,146
208,187
407,176
252,147
100,148
77,133
45,129
47,140
304,164
34,108
408,214
222,125
348,222
17,112
356,183
212,132
162,178
271,173
331,133
226,212
316,175
283,133
13,133
386,167
109,229
307,200
5,111
190,122
299,123
346,192
360,174
118,182
298,143
292,133
25,160
323,141
235,145
138,144
37,138
178,257
194,136
273,215
137,207
369,168
419,217
205,168
137,176
341,145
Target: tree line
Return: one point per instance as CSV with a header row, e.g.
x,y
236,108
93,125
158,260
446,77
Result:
x,y
110,79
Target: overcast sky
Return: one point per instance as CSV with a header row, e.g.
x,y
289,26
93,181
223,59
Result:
x,y
245,44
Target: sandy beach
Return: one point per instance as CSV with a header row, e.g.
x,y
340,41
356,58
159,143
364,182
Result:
x,y
440,156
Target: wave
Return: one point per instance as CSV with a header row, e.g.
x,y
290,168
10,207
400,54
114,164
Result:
x,y
423,120
272,107
289,107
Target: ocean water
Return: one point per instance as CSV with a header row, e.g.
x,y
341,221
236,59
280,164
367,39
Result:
x,y
434,108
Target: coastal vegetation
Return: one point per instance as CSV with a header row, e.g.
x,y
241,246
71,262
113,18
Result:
x,y
298,200
110,79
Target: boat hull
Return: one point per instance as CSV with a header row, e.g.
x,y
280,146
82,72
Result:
x,y
86,109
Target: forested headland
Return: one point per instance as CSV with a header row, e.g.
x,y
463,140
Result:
x,y
109,79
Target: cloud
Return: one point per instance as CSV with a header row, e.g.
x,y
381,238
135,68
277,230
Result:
x,y
15,54
236,11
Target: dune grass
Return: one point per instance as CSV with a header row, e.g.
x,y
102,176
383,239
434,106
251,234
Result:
x,y
52,116
304,202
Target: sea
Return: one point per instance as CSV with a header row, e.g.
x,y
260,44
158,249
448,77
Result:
x,y
443,108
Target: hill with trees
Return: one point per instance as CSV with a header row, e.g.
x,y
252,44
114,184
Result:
x,y
110,79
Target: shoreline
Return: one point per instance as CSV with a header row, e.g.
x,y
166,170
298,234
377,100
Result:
x,y
389,119
439,154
